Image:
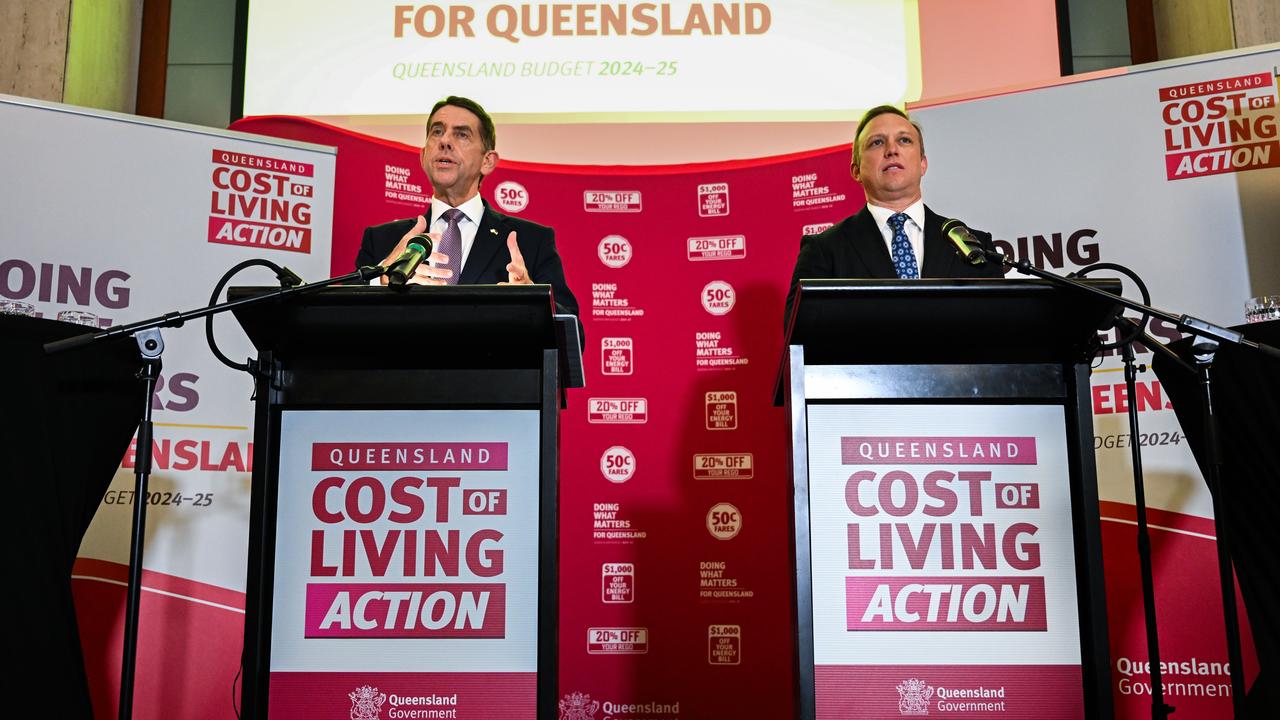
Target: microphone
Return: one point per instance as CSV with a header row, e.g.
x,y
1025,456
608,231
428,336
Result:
x,y
399,272
968,245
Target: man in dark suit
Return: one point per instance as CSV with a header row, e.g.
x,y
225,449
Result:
x,y
474,244
888,238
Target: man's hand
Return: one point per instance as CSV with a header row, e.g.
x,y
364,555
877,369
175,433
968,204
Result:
x,y
517,273
425,274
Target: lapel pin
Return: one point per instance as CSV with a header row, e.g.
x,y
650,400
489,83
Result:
x,y
493,231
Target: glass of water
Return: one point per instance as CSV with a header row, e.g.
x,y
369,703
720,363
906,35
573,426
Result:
x,y
79,317
1262,309
17,307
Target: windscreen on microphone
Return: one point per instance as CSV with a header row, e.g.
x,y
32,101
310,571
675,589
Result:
x,y
964,241
405,265
426,242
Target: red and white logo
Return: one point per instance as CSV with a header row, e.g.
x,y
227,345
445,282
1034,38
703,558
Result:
x,y
614,251
511,196
617,464
366,703
713,199
618,582
722,410
815,228
616,356
261,202
612,201
718,297
724,644
807,194
618,641
618,411
578,706
724,521
1220,126
718,247
399,186
913,697
723,466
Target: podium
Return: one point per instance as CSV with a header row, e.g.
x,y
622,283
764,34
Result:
x,y
69,420
402,550
945,514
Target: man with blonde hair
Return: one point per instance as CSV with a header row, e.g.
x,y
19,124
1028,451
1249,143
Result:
x,y
896,235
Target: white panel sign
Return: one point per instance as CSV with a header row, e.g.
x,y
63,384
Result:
x,y
407,541
1161,170
378,57
110,219
942,560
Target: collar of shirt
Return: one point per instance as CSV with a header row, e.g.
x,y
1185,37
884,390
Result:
x,y
472,211
914,228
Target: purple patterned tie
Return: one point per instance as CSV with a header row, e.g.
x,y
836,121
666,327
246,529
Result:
x,y
451,244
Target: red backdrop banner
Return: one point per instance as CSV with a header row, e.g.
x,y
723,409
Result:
x,y
675,562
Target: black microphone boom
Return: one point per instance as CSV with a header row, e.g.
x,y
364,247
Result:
x,y
403,268
965,242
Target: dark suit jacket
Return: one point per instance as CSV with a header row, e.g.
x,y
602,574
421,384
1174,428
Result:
x,y
855,248
487,261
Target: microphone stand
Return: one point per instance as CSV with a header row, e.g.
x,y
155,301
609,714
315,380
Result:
x,y
1129,332
146,333
1159,709
1208,338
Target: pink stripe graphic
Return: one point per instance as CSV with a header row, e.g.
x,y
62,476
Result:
x,y
117,572
1165,519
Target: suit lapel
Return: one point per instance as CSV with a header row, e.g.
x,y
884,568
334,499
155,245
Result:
x,y
868,244
938,255
491,237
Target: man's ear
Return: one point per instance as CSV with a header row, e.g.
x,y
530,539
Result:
x,y
924,165
853,172
489,162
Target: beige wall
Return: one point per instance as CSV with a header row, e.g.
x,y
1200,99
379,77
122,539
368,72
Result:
x,y
1257,22
1194,27
82,53
33,47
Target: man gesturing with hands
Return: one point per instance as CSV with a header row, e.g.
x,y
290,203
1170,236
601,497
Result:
x,y
473,243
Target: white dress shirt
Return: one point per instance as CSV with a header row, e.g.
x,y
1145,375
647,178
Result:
x,y
914,227
472,211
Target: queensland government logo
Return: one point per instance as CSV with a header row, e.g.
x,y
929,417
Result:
x,y
913,697
366,703
578,706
